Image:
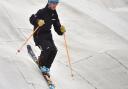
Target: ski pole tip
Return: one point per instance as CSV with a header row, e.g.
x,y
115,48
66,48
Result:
x,y
18,51
72,75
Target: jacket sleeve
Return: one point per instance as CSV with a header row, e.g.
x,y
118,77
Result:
x,y
34,18
57,25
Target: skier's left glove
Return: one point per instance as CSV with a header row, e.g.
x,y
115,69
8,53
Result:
x,y
62,29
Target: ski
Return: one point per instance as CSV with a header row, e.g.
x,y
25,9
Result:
x,y
34,58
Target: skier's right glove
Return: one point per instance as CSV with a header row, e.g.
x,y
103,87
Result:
x,y
40,22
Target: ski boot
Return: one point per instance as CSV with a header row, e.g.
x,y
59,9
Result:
x,y
51,86
45,71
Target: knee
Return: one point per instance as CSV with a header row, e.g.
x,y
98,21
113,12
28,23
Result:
x,y
49,50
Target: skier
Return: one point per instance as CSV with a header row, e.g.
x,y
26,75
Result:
x,y
45,18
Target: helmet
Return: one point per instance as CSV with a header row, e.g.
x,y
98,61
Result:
x,y
53,1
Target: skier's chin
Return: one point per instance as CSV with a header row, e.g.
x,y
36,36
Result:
x,y
53,8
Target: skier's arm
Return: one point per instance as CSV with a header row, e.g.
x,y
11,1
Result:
x,y
58,27
34,19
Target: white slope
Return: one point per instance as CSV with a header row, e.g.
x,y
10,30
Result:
x,y
97,38
111,3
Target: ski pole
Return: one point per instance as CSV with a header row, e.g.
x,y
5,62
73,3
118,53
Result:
x,y
67,51
25,42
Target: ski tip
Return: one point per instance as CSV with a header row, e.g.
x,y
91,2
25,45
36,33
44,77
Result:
x,y
28,46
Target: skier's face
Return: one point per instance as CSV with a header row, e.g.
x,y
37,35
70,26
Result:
x,y
53,6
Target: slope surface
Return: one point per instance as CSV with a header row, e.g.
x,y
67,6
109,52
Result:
x,y
97,39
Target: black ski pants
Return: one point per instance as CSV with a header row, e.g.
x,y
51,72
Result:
x,y
48,53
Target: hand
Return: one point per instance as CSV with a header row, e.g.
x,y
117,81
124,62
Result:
x,y
40,23
62,29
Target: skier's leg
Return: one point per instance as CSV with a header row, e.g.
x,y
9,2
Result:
x,y
51,57
43,59
48,52
52,54
44,54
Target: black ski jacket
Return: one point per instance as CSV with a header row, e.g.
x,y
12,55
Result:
x,y
50,18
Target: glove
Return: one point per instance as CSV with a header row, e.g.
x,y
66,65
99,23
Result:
x,y
62,29
40,22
